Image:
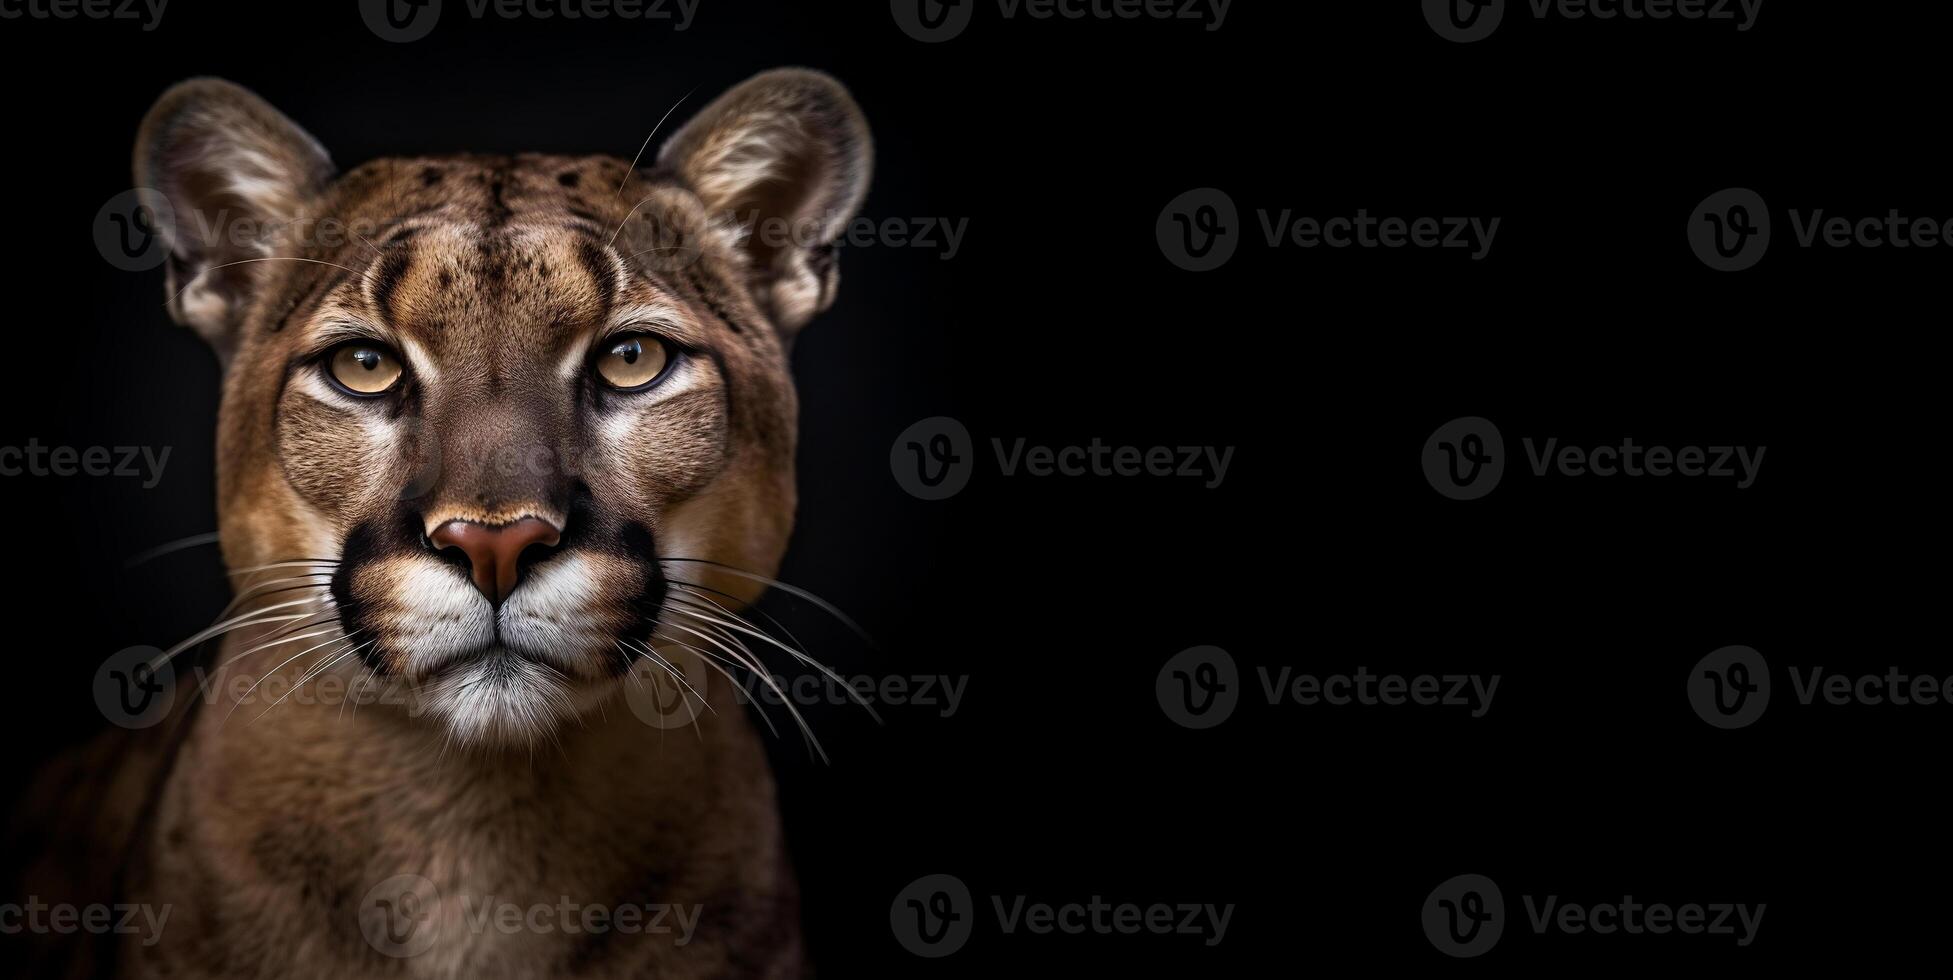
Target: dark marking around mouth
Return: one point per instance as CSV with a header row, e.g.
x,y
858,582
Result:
x,y
637,542
362,546
586,528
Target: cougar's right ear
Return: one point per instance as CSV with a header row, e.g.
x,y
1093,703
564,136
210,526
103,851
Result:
x,y
784,151
232,170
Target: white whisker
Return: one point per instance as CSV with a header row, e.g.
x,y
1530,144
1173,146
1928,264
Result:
x,y
647,141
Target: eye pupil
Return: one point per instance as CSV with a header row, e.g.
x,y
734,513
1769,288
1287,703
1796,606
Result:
x,y
632,363
364,369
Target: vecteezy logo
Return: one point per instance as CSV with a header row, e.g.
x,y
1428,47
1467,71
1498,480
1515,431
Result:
x,y
1199,688
1730,230
1464,21
1465,458
1464,916
932,459
421,443
930,21
1730,687
659,694
400,916
133,229
400,21
933,917
1198,230
135,687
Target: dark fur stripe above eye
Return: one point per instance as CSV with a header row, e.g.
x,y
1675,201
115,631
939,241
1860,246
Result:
x,y
703,290
400,234
386,279
323,282
597,263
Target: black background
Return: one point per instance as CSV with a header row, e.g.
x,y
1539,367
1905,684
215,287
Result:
x,y
1060,321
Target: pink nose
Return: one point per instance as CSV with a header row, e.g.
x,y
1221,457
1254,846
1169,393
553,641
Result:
x,y
494,551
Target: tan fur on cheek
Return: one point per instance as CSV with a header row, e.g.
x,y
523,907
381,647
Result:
x,y
651,457
340,460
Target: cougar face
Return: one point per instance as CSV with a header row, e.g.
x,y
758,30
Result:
x,y
497,408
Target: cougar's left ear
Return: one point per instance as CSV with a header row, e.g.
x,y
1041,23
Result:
x,y
235,172
785,156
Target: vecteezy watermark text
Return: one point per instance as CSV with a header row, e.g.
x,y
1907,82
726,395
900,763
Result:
x,y
1465,21
935,915
1097,458
1364,230
410,20
942,235
403,916
565,915
37,459
1465,916
942,693
1200,231
669,695
62,919
931,21
148,12
1466,458
1730,688
1628,459
1731,230
1201,687
934,458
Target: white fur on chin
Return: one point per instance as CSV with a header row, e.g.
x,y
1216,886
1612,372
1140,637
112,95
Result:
x,y
500,699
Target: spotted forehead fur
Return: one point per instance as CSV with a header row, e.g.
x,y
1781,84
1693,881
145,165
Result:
x,y
524,247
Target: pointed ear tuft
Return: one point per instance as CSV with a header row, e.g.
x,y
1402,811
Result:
x,y
786,156
234,172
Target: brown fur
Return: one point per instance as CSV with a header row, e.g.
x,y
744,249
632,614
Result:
x,y
264,830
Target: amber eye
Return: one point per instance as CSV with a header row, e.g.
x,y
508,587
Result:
x,y
364,369
630,363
